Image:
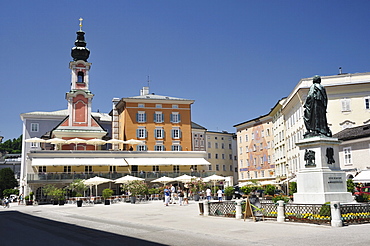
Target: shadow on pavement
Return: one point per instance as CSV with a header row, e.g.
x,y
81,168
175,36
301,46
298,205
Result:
x,y
22,229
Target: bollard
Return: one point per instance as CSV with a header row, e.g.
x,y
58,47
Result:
x,y
280,211
206,209
336,217
238,210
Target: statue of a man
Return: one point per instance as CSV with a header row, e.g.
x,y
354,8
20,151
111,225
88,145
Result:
x,y
315,110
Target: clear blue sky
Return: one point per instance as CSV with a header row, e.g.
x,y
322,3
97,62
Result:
x,y
236,59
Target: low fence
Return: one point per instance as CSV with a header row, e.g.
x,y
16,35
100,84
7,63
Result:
x,y
306,213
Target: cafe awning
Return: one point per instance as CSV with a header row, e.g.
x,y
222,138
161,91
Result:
x,y
166,161
78,162
362,177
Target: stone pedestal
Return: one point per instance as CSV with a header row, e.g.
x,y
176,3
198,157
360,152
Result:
x,y
320,178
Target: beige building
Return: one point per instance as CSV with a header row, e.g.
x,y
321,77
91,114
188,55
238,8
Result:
x,y
255,149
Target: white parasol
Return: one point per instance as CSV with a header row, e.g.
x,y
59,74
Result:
x,y
184,178
56,141
75,141
127,179
164,180
35,140
96,181
134,141
214,178
96,141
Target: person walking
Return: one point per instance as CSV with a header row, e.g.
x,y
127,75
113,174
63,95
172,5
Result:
x,y
219,195
208,193
173,194
186,200
20,199
167,194
181,196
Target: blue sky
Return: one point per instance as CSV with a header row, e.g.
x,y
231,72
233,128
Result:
x,y
236,59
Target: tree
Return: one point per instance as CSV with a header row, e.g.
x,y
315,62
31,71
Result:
x,y
12,146
7,180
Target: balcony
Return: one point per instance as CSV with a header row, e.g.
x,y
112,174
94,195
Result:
x,y
69,177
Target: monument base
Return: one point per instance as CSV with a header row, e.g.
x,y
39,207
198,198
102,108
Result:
x,y
321,181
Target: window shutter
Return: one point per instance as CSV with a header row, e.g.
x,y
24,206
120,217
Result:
x,y
172,133
137,117
179,133
171,118
145,133
180,148
162,133
137,133
162,117
155,133
144,117
179,118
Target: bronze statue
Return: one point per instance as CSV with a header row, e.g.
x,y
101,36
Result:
x,y
309,157
315,110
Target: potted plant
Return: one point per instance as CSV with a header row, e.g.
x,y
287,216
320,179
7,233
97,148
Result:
x,y
78,187
135,188
107,193
29,199
60,195
195,186
229,191
56,194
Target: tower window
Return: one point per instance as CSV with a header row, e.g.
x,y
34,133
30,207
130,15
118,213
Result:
x,y
80,77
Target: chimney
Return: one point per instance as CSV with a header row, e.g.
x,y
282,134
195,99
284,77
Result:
x,y
144,91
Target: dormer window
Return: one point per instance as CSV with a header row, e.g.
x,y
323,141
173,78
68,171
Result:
x,y
80,77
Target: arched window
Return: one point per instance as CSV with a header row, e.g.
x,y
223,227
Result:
x,y
80,77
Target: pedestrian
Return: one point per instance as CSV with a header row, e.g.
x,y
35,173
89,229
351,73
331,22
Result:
x,y
6,202
186,200
219,195
208,193
181,196
173,194
20,199
167,194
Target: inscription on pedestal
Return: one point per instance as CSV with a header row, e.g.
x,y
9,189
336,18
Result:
x,y
334,180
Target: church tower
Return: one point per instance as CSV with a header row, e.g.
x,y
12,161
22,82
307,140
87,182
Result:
x,y
79,123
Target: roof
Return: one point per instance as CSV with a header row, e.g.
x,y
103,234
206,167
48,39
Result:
x,y
197,126
156,97
353,133
64,112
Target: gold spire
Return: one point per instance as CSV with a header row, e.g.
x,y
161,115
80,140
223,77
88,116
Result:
x,y
80,23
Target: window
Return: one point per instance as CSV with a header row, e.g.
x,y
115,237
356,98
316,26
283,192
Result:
x,y
367,103
80,77
246,138
175,106
140,105
261,146
268,159
67,169
231,168
141,133
222,146
209,167
216,145
262,133
255,174
217,167
158,117
229,146
141,117
141,148
223,167
176,148
196,143
42,169
112,169
252,136
155,168
230,156
346,104
159,133
34,127
175,118
34,145
88,169
241,163
347,156
216,156
209,145
223,156
262,173
247,162
176,168
240,139
158,147
158,105
261,161
176,133
209,155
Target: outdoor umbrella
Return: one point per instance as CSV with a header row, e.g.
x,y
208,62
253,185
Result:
x,y
126,179
35,140
214,178
164,180
115,141
96,141
96,181
56,141
76,141
268,182
184,178
133,141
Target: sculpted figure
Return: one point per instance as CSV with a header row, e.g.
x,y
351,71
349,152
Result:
x,y
315,110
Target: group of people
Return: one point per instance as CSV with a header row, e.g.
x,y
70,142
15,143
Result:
x,y
209,194
170,195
